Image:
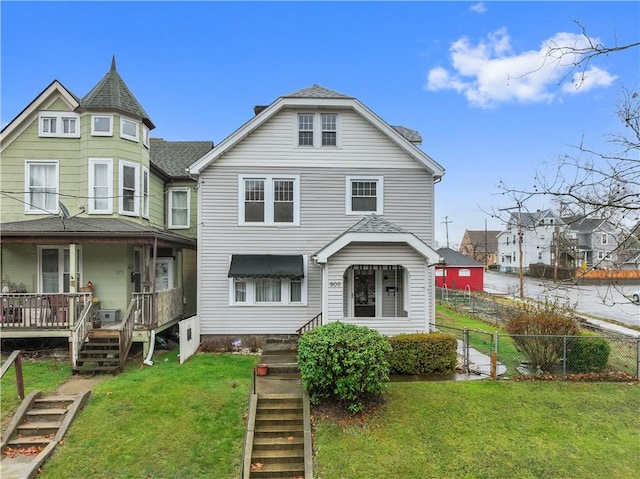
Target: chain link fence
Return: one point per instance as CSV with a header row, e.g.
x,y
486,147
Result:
x,y
523,355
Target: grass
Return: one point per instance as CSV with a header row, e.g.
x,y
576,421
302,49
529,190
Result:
x,y
488,429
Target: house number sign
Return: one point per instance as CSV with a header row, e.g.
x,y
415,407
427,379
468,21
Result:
x,y
335,284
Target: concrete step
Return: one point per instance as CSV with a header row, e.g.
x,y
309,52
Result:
x,y
46,415
277,470
279,442
38,428
54,401
278,455
29,441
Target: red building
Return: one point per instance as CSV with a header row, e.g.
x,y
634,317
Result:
x,y
459,271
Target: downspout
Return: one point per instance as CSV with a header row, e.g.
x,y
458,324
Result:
x,y
148,361
152,340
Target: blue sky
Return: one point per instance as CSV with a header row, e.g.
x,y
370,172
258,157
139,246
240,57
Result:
x,y
467,75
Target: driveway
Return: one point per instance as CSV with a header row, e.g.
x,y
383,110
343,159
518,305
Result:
x,y
610,301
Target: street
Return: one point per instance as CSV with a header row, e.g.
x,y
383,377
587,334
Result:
x,y
607,301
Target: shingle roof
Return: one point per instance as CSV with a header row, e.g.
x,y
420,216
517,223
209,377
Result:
x,y
453,258
477,239
316,91
582,224
375,224
173,157
76,227
112,93
412,135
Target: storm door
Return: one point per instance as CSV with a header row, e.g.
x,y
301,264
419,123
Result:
x,y
364,293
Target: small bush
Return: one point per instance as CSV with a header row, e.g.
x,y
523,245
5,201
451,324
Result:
x,y
588,354
344,362
538,332
423,353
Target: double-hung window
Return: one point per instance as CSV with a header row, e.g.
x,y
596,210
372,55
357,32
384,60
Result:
x,y
128,185
59,124
317,130
101,125
364,195
269,200
179,211
145,192
41,186
129,129
100,185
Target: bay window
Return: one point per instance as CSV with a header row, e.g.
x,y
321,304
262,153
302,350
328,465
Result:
x,y
128,184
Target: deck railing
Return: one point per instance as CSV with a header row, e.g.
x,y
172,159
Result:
x,y
125,333
41,310
151,310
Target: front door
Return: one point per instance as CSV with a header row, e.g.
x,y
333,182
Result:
x,y
364,293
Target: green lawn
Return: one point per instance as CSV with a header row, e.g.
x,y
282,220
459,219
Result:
x,y
488,429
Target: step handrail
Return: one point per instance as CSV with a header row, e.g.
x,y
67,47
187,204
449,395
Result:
x,y
311,324
125,334
15,357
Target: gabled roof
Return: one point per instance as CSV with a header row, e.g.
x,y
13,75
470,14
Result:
x,y
532,219
478,237
453,258
174,157
112,93
376,229
580,224
412,135
54,227
54,90
317,96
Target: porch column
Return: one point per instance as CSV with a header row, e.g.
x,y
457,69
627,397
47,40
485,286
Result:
x,y
73,288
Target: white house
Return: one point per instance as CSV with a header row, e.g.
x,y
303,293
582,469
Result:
x,y
316,206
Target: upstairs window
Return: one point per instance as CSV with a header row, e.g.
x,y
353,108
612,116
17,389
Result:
x,y
329,129
41,187
129,129
364,195
604,239
179,211
305,129
145,136
145,192
101,125
128,186
100,185
59,124
269,200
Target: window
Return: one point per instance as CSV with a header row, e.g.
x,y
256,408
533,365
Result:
x,y
305,129
268,290
128,186
464,272
41,187
55,269
179,208
145,192
329,129
101,125
128,129
539,255
145,136
59,124
604,238
600,254
364,195
100,185
269,200
280,291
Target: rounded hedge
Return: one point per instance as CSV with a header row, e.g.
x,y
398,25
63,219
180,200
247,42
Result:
x,y
344,362
588,354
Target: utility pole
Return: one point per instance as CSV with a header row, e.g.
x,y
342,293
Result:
x,y
446,227
520,239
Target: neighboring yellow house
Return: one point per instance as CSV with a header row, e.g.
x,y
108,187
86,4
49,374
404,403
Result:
x,y
89,199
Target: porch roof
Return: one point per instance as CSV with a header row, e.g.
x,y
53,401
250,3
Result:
x,y
376,229
56,229
266,266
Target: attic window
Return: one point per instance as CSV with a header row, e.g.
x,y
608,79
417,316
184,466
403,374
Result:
x,y
58,124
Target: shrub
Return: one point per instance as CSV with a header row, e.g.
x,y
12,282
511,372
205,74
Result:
x,y
538,332
588,354
344,362
423,353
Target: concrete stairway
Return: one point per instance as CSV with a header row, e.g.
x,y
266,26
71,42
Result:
x,y
35,430
278,440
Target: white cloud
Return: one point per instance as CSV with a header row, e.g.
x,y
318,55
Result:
x,y
490,72
478,7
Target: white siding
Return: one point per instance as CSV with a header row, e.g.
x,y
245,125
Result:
x,y
380,254
408,194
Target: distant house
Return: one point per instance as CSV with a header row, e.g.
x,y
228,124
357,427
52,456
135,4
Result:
x,y
459,271
481,245
316,209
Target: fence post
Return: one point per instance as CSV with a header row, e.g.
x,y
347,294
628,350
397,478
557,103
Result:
x,y
494,358
19,379
638,354
564,357
465,348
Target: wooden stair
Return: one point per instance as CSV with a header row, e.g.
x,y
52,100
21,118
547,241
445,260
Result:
x,y
35,430
100,353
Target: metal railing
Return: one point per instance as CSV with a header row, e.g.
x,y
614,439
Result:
x,y
310,325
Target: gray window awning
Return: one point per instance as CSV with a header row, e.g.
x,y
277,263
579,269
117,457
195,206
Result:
x,y
266,266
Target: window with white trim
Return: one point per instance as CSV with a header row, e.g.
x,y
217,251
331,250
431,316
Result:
x,y
128,184
100,185
145,192
269,200
265,291
54,268
464,272
179,210
58,124
364,195
41,186
317,130
604,238
101,125
145,136
129,129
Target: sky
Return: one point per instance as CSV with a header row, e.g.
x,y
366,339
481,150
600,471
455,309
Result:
x,y
471,77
